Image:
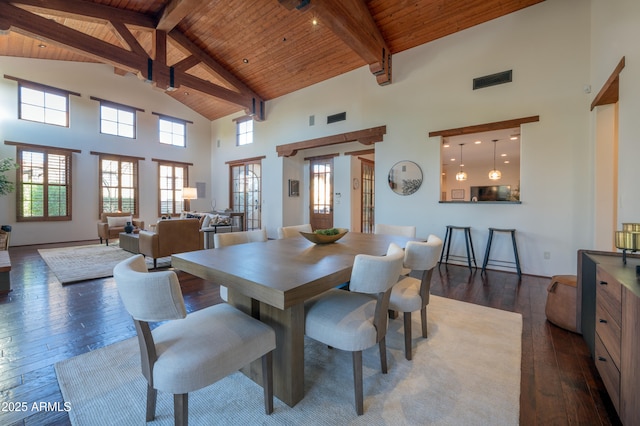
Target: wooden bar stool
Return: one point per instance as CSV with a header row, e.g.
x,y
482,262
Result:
x,y
502,263
471,255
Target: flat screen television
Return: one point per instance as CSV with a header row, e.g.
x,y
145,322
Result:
x,y
491,193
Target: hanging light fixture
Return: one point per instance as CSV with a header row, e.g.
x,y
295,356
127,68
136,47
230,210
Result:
x,y
460,176
495,173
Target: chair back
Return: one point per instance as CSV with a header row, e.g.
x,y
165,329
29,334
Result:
x,y
405,231
233,238
148,296
422,256
293,231
376,274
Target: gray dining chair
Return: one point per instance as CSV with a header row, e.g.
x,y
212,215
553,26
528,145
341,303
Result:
x,y
411,294
189,352
234,238
293,231
354,320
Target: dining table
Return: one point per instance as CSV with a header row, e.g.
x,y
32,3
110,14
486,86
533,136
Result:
x,y
272,280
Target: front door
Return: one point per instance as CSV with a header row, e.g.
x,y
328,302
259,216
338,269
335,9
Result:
x,y
321,211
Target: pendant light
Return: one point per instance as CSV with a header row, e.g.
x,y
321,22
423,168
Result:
x,y
460,176
495,173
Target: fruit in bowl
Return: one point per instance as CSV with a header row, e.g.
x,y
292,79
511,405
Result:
x,y
325,236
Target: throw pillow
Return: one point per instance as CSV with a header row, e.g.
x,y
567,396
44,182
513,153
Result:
x,y
116,221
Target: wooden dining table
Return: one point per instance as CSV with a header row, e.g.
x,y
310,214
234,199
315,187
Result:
x,y
271,281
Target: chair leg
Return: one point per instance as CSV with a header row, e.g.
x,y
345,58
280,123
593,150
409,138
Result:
x,y
267,381
383,355
357,381
423,320
407,335
152,396
181,409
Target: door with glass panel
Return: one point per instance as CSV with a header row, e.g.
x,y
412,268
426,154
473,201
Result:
x,y
367,193
246,192
321,193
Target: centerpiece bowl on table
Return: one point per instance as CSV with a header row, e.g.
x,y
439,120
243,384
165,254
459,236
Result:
x,y
325,236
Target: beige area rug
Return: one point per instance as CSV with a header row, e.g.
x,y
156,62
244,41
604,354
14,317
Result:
x,y
80,263
466,373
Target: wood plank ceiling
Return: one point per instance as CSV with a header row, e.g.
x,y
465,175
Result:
x,y
223,56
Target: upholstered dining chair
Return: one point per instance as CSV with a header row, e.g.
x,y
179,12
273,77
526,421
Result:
x,y
354,320
192,351
411,294
234,238
293,231
405,231
402,230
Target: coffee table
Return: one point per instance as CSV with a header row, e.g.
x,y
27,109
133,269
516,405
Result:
x,y
129,242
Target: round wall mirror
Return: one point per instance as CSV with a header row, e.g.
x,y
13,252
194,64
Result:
x,y
405,177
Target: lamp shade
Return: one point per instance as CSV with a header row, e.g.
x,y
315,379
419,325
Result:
x,y
189,193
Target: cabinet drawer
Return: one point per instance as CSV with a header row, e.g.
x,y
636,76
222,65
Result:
x,y
609,294
608,372
609,332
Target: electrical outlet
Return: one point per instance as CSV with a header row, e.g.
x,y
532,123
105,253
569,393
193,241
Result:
x,y
547,255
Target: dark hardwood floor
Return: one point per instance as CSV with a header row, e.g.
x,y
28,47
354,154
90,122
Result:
x,y
42,322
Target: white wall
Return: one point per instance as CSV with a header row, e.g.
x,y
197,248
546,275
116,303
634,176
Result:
x,y
615,31
84,134
547,46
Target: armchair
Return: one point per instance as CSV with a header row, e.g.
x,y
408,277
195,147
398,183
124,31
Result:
x,y
171,236
111,224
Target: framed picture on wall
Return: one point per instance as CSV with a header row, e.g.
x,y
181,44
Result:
x,y
294,188
457,194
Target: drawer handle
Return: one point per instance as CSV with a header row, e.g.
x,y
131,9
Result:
x,y
604,283
603,321
602,359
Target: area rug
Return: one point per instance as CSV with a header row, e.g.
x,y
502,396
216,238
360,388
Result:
x,y
80,263
466,373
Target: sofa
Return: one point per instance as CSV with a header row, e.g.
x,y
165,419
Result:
x,y
111,224
170,237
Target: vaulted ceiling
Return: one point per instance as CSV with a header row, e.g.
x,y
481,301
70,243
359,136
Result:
x,y
223,56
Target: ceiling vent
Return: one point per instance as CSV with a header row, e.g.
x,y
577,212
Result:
x,y
336,117
493,79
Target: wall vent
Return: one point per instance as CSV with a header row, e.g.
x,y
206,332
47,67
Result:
x,y
336,117
493,79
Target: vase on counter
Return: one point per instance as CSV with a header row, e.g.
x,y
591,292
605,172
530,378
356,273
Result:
x,y
128,228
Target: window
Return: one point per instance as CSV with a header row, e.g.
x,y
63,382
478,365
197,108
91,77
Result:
x,y
172,132
244,132
118,184
43,104
44,184
117,121
172,178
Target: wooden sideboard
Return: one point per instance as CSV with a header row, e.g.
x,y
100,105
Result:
x,y
611,326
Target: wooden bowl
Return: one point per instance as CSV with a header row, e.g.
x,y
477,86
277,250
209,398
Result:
x,y
324,239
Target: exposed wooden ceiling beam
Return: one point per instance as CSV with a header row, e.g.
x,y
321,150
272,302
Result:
x,y
86,9
175,11
352,22
137,61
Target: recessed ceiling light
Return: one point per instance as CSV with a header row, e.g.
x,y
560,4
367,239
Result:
x,y
478,142
245,60
186,93
446,145
514,137
314,21
42,46
506,161
503,155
